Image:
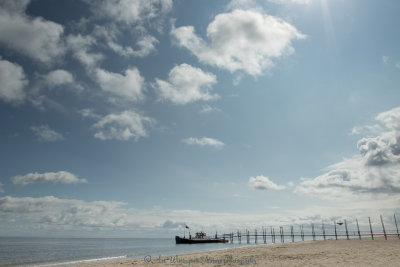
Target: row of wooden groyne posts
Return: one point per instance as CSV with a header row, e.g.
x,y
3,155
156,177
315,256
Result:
x,y
313,235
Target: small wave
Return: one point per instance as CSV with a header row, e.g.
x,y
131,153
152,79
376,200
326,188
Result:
x,y
79,262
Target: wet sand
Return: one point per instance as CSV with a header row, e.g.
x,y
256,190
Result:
x,y
354,252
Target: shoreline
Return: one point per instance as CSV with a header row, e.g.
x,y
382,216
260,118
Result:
x,y
353,252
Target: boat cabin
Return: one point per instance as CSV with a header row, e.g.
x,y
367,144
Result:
x,y
200,235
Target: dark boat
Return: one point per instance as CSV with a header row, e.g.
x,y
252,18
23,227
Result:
x,y
199,238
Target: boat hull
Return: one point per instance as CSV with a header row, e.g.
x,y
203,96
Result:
x,y
182,240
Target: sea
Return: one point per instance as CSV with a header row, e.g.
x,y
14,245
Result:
x,y
35,251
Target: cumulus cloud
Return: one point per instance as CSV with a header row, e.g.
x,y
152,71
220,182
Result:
x,y
63,177
129,18
34,37
13,82
243,40
15,6
204,141
58,77
173,225
130,11
264,183
209,109
186,84
62,212
375,171
81,47
89,113
45,134
44,213
123,126
375,129
145,43
129,86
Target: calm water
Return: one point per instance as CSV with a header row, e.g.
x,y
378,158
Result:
x,y
17,251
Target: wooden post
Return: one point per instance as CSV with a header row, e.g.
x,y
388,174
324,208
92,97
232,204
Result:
x,y
248,236
347,232
370,228
383,227
272,238
239,237
265,235
283,236
397,229
255,236
273,233
280,232
335,231
302,232
291,233
323,230
312,231
358,229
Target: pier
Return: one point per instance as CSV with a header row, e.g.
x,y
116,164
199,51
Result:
x,y
341,229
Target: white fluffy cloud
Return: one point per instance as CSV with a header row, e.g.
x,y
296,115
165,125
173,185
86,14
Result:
x,y
58,77
130,11
375,129
129,86
376,171
15,6
56,213
62,212
81,47
44,213
186,84
133,17
244,40
264,183
45,134
13,82
209,109
204,141
111,34
89,113
35,37
123,126
146,45
63,177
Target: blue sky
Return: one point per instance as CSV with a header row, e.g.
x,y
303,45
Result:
x,y
131,118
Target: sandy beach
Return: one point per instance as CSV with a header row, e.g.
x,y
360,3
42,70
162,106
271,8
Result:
x,y
355,252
